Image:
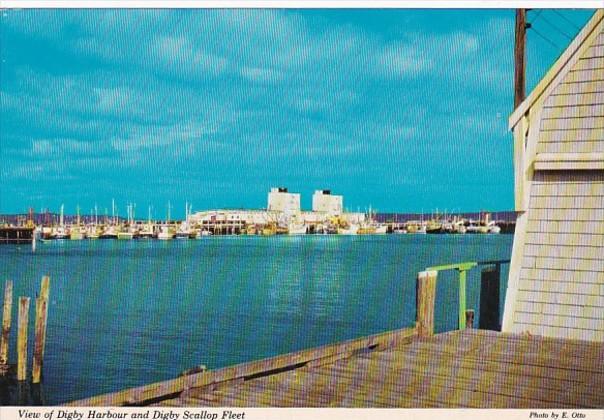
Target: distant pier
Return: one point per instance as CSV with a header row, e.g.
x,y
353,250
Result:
x,y
16,235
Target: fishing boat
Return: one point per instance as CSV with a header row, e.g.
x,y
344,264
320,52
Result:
x,y
459,227
182,234
366,230
434,226
125,235
77,232
297,229
165,233
60,232
414,226
351,229
493,228
133,231
269,230
92,232
201,233
473,226
109,232
381,229
184,231
147,231
371,226
46,232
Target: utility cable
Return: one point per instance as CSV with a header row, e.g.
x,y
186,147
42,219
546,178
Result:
x,y
537,16
556,28
549,41
567,19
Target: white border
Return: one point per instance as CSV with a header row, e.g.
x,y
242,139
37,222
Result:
x,y
306,4
211,413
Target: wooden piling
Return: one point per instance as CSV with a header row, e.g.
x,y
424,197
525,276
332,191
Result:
x,y
44,294
41,306
45,288
40,326
426,295
470,318
22,338
6,321
489,298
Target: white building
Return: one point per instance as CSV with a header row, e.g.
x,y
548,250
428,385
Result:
x,y
280,200
230,217
283,210
324,202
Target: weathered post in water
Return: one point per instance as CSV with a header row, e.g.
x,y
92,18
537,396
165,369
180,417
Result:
x,y
6,321
41,306
425,298
40,339
22,338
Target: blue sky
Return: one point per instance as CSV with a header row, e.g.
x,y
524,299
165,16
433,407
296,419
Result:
x,y
403,110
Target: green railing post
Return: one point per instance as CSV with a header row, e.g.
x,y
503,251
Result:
x,y
462,299
461,268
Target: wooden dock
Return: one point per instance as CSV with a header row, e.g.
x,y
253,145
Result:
x,y
470,368
16,235
464,368
404,368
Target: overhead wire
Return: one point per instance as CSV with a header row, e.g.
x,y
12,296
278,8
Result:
x,y
537,16
546,39
556,27
573,24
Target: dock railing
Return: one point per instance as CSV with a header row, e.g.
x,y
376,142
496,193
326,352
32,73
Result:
x,y
489,295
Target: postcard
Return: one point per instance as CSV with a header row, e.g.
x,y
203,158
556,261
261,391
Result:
x,y
206,211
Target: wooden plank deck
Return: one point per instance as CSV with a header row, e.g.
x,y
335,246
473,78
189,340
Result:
x,y
469,368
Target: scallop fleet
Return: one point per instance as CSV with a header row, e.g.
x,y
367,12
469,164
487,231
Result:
x,y
283,216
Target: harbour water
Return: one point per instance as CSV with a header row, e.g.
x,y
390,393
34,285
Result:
x,y
128,313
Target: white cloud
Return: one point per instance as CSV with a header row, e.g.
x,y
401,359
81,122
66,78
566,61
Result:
x,y
112,99
62,148
261,74
403,60
179,55
186,135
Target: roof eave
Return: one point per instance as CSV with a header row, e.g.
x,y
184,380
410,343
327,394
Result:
x,y
558,66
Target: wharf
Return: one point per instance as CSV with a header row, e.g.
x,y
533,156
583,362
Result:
x,y
463,368
16,235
